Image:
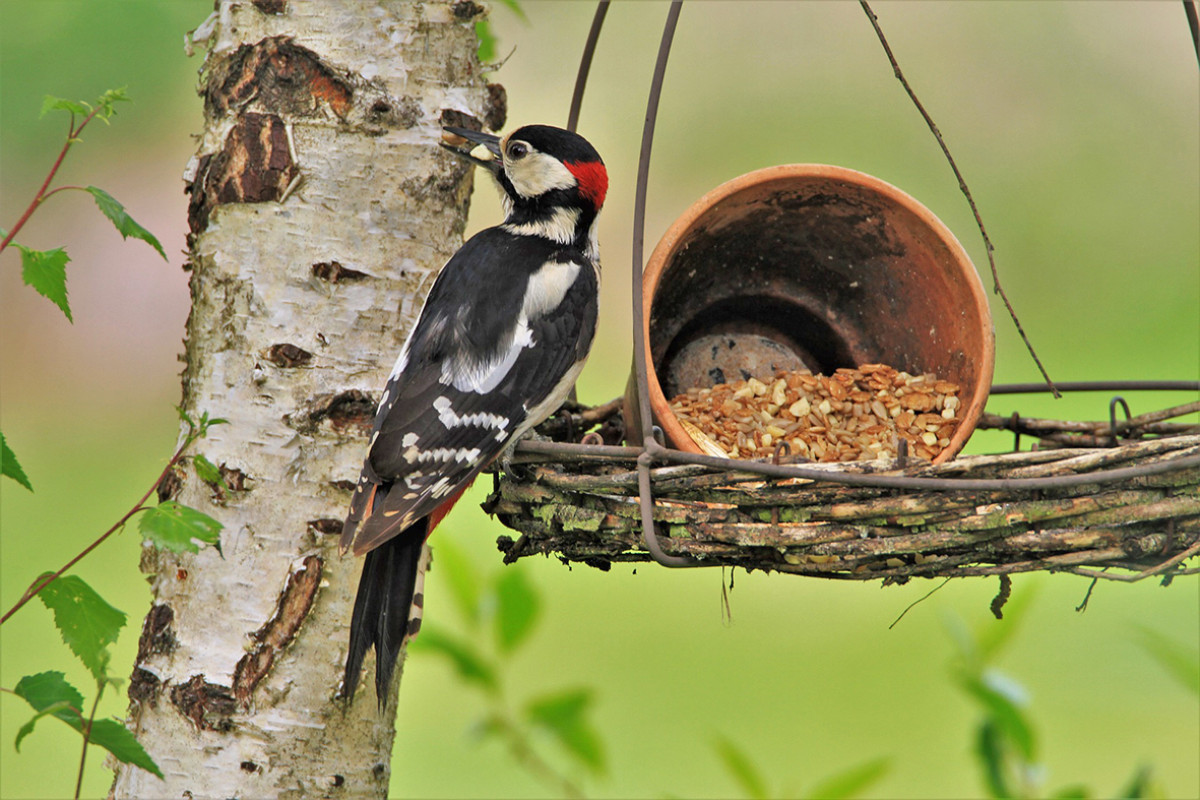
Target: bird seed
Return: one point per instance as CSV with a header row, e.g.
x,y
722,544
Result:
x,y
852,415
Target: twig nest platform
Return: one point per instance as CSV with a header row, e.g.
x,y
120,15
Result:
x,y
585,508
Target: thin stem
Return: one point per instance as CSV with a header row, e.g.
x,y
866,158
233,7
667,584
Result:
x,y
1189,10
916,602
87,735
37,586
962,185
524,753
72,136
58,189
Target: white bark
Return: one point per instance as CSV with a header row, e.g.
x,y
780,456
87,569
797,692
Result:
x,y
319,156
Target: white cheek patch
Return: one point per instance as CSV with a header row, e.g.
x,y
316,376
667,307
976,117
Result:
x,y
538,173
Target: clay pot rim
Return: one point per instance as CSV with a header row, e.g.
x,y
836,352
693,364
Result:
x,y
669,243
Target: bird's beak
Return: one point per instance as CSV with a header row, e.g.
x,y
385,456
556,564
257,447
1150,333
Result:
x,y
461,141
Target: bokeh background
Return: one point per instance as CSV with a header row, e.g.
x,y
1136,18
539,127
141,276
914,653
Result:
x,y
1076,125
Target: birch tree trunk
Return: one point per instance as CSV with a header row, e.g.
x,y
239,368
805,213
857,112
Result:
x,y
321,208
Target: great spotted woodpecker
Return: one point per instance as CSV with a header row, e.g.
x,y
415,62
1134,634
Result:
x,y
498,345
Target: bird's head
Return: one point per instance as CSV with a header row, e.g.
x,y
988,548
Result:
x,y
539,168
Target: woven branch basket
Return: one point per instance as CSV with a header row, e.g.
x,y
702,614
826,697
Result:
x,y
587,511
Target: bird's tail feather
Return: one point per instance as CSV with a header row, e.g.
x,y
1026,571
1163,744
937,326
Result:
x,y
383,607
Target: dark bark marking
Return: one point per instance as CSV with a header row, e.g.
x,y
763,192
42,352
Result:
x,y
334,272
348,410
460,119
235,479
144,687
467,9
326,526
295,602
288,355
209,706
157,636
280,76
495,110
254,166
270,6
171,483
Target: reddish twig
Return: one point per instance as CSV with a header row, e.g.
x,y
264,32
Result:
x,y
87,735
37,586
962,185
42,194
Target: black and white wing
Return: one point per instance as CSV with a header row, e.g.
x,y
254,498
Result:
x,y
479,368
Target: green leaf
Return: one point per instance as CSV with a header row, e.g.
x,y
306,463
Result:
x,y
470,664
107,100
990,750
997,695
116,739
52,103
515,7
120,218
464,580
1073,792
564,715
177,528
517,608
51,710
487,42
9,465
199,429
87,623
1180,661
208,472
49,694
741,768
46,272
850,782
46,689
1140,785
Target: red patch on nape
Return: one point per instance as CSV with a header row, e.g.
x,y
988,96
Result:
x,y
593,180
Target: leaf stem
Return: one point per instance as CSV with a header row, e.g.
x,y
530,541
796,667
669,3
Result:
x,y
522,750
37,586
72,136
87,735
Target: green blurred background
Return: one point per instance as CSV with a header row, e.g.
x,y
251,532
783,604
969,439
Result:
x,y
1076,125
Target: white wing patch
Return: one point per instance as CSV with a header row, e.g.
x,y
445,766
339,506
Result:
x,y
481,377
547,287
543,294
481,419
460,454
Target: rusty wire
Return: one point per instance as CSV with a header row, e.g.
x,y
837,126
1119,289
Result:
x,y
585,64
651,450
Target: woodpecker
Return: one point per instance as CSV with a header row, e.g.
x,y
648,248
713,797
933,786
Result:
x,y
496,349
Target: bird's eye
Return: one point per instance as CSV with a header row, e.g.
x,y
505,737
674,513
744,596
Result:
x,y
517,150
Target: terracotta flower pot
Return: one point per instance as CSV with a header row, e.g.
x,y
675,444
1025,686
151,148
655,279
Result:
x,y
816,266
